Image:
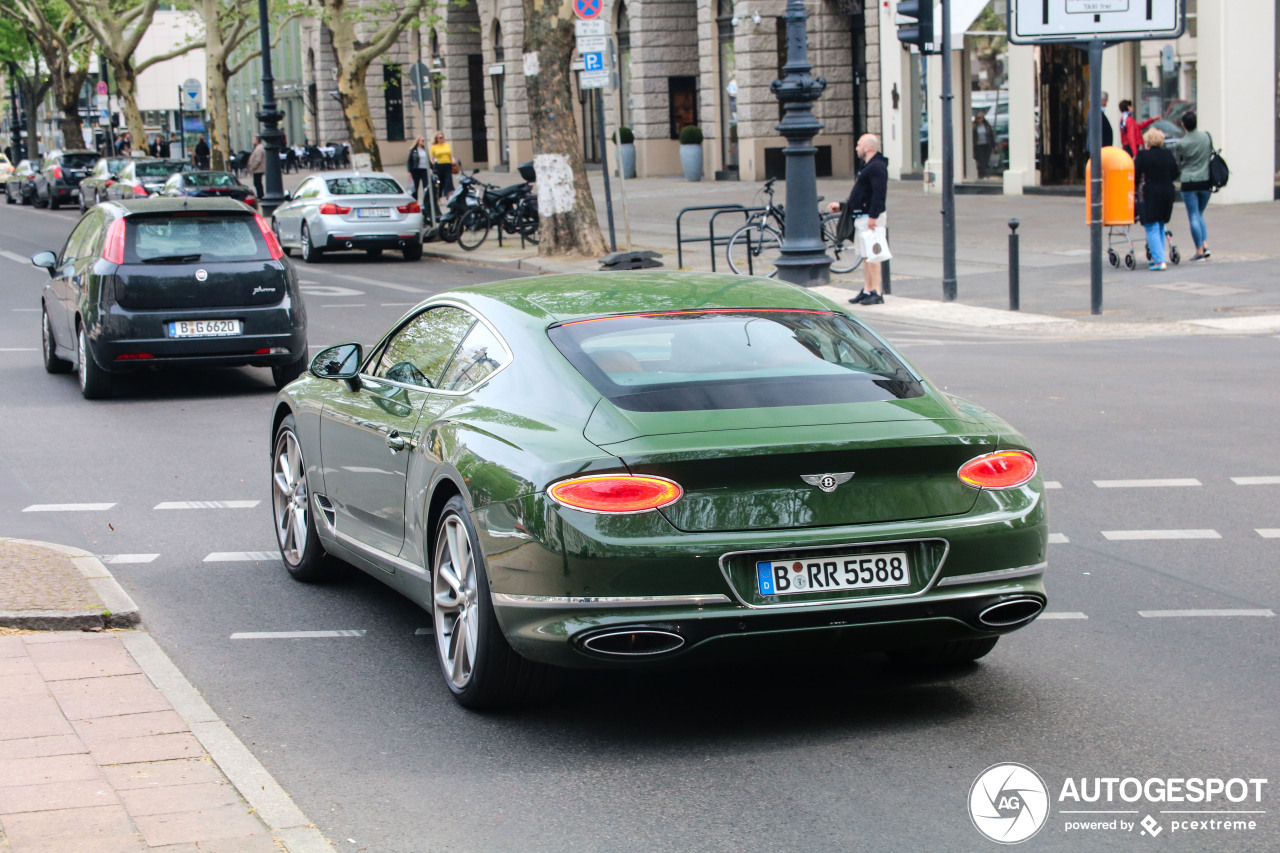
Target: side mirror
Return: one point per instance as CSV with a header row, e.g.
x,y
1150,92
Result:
x,y
339,362
48,260
288,197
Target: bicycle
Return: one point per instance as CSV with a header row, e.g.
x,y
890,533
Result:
x,y
514,209
754,248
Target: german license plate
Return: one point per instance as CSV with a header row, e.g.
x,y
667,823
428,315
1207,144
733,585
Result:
x,y
833,574
203,328
373,212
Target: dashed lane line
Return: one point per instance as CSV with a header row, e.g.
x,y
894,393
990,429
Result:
x,y
1062,614
120,559
1145,484
68,507
1174,614
19,349
293,635
1058,539
1052,484
403,288
207,504
1269,532
241,556
14,256
1132,535
1256,481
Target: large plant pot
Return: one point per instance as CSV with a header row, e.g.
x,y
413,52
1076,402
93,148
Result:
x,y
627,154
691,162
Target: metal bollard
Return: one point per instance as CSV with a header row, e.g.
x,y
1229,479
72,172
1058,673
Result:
x,y
1014,296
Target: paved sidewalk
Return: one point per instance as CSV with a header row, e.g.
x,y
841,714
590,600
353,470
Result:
x,y
104,744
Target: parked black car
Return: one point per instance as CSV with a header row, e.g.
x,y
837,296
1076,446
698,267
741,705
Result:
x,y
93,189
20,187
60,175
139,177
170,282
208,185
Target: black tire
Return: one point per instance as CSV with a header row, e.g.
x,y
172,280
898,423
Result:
x,y
283,374
291,505
373,253
1174,257
33,199
49,349
310,253
474,230
450,229
487,673
8,196
53,201
948,653
1113,259
95,383
754,250
82,207
1130,263
413,250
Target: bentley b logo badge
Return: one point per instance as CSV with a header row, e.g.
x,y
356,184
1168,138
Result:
x,y
827,482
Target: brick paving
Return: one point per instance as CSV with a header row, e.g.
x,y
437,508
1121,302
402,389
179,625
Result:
x,y
36,578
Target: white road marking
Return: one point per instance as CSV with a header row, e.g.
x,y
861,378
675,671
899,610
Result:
x,y
403,288
329,290
1058,539
293,635
345,305
1269,532
68,507
1253,481
1062,614
387,305
32,310
1144,484
1052,484
422,632
1128,535
241,556
14,256
207,504
128,558
1161,614
19,349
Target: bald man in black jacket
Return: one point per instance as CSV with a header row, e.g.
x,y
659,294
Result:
x,y
867,201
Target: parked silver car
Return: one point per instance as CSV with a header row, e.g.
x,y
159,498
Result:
x,y
340,211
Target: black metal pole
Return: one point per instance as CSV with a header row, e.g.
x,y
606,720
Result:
x,y
1095,176
269,116
1015,297
948,165
106,78
13,105
803,258
182,130
604,167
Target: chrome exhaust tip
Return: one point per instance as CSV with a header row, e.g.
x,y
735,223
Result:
x,y
1011,612
350,244
633,642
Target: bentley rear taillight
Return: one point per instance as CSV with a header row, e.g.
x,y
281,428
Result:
x,y
1005,469
615,493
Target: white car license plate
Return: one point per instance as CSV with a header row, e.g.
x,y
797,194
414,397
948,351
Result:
x,y
373,212
833,574
203,328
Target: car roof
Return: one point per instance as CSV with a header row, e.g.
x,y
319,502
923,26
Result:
x,y
354,173
563,297
164,204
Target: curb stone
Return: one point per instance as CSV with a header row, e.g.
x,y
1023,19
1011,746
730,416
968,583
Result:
x,y
118,609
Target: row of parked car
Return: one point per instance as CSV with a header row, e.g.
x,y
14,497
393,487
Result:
x,y
84,178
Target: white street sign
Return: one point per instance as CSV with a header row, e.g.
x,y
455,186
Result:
x,y
594,79
101,102
592,44
1038,21
191,90
595,27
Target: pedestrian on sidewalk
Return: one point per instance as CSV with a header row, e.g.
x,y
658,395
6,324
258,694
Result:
x,y
258,164
1107,138
418,165
984,139
867,202
442,162
1131,129
1154,171
1193,153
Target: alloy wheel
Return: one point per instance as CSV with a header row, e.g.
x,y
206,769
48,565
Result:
x,y
456,597
289,498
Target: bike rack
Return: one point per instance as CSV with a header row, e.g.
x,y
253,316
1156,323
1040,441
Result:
x,y
711,238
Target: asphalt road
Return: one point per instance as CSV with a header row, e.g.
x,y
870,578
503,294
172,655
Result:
x,y
1159,659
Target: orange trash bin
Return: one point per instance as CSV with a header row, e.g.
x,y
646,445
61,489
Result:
x,y
1117,188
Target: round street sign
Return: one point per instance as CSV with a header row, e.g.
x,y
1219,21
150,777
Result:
x,y
102,87
587,9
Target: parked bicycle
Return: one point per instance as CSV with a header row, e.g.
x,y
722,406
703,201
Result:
x,y
754,248
514,209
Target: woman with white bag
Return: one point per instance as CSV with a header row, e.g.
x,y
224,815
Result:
x,y
867,202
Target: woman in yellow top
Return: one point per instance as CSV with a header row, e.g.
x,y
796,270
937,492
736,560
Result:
x,y
442,162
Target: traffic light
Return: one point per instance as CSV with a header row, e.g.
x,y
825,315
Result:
x,y
918,31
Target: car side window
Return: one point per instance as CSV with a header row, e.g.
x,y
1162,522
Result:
x,y
308,189
481,354
418,352
81,237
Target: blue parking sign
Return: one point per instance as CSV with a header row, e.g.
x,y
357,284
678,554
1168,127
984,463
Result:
x,y
593,62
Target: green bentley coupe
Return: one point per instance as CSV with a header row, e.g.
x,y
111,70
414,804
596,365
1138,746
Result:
x,y
635,468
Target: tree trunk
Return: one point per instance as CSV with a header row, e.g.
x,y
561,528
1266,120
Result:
x,y
351,86
127,92
219,121
568,212
33,95
67,93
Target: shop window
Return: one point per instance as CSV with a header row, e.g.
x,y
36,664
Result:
x,y
682,93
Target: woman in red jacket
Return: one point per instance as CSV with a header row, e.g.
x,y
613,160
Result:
x,y
1131,129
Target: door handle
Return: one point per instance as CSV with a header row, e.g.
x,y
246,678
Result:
x,y
396,442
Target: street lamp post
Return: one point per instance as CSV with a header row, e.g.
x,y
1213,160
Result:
x,y
269,116
803,259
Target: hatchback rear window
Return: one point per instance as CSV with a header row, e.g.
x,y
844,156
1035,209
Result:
x,y
187,239
732,359
211,179
79,161
363,186
160,168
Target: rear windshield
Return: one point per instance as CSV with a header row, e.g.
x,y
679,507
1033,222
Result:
x,y
739,359
114,166
160,168
79,161
211,179
363,186
187,239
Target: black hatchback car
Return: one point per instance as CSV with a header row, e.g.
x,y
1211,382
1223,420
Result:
x,y
60,175
149,283
208,184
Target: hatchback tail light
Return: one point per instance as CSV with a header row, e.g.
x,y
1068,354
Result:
x,y
139,191
331,209
615,493
273,245
109,183
411,207
250,200
1005,469
57,172
113,246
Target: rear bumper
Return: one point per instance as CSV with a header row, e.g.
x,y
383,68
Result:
x,y
371,241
